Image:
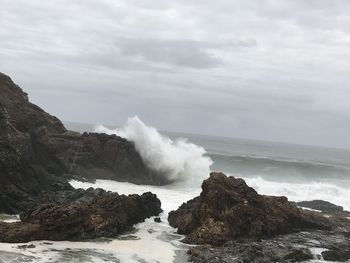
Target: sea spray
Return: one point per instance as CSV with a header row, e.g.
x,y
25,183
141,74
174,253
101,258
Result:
x,y
306,191
177,160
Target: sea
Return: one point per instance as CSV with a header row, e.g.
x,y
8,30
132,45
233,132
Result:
x,y
299,172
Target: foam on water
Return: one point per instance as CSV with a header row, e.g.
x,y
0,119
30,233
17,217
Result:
x,y
303,191
151,242
186,164
156,242
171,196
177,160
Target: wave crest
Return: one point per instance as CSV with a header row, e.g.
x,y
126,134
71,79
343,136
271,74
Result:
x,y
176,160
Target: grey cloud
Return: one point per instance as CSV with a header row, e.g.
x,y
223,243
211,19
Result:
x,y
264,69
174,52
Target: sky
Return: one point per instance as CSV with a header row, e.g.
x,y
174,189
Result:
x,y
261,69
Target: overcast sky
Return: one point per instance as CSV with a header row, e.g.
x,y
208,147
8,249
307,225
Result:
x,y
263,69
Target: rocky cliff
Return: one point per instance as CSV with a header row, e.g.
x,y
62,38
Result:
x,y
38,153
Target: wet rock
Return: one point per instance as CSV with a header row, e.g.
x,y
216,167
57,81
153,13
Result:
x,y
26,246
337,254
101,156
293,247
227,209
106,215
299,255
157,220
37,153
322,206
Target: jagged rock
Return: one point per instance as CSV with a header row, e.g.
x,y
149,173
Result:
x,y
38,154
293,247
337,254
105,215
227,208
298,255
322,206
249,251
23,115
102,156
157,220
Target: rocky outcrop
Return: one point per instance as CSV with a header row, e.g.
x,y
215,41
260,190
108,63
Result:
x,y
101,156
23,115
26,166
251,251
228,209
293,247
232,223
37,153
82,215
337,253
322,206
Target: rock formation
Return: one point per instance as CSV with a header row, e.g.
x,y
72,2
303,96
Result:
x,y
232,223
93,213
227,209
322,206
37,153
293,247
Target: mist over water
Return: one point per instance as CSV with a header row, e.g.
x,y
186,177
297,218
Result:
x,y
177,160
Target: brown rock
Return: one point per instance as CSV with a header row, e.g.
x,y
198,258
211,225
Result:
x,y
227,208
106,215
38,154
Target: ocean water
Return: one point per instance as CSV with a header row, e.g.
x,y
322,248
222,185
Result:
x,y
299,172
296,171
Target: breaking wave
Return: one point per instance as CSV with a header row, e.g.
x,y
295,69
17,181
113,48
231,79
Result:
x,y
177,160
302,191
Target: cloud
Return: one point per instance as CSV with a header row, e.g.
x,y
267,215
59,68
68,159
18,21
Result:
x,y
265,69
173,52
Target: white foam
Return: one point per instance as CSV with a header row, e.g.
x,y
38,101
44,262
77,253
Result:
x,y
310,209
171,196
177,160
155,242
303,191
9,218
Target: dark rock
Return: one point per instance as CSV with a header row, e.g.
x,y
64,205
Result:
x,y
227,208
299,255
293,247
102,156
337,254
157,220
322,206
38,154
106,215
23,115
26,246
26,165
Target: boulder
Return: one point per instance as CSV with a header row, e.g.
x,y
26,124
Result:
x,y
90,214
227,209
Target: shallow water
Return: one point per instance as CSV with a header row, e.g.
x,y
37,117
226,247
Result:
x,y
151,242
298,172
